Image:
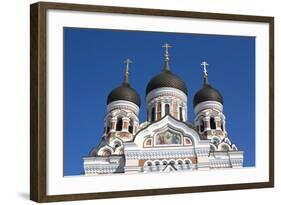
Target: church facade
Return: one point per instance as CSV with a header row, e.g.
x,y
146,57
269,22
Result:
x,y
167,141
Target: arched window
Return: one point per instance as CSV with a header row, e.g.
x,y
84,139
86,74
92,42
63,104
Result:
x,y
167,109
187,164
213,123
181,116
202,125
164,163
148,142
221,126
215,140
119,124
153,114
131,126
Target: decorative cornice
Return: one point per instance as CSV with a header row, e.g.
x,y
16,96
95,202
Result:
x,y
132,155
166,91
208,105
122,104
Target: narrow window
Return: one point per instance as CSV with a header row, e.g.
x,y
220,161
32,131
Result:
x,y
119,124
131,126
107,129
159,112
221,126
202,126
213,123
181,116
153,114
167,109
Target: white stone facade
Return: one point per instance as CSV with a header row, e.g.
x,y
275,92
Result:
x,y
169,143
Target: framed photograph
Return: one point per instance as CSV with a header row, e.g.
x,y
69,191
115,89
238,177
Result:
x,y
135,102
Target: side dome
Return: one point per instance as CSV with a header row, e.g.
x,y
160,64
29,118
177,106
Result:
x,y
166,79
124,92
207,93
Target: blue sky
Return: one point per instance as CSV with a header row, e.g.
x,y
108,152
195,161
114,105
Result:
x,y
93,66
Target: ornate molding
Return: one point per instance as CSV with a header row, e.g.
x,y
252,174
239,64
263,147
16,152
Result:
x,y
166,91
122,104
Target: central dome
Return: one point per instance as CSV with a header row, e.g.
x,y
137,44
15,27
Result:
x,y
166,79
124,92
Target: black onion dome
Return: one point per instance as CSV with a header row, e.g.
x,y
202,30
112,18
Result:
x,y
207,93
166,79
124,92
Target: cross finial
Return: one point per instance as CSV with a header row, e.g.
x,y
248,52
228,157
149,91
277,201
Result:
x,y
205,64
127,62
166,46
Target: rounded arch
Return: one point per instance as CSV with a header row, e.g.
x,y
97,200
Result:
x,y
105,151
148,163
216,140
187,140
120,113
179,162
200,116
148,142
164,162
131,115
168,123
116,142
187,161
157,163
224,147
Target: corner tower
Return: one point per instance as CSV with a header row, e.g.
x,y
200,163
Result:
x,y
121,120
210,120
166,94
123,104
